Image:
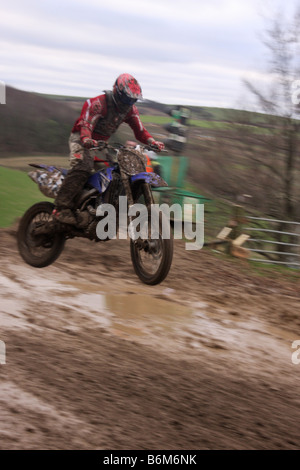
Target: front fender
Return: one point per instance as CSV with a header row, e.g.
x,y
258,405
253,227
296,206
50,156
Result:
x,y
101,179
152,178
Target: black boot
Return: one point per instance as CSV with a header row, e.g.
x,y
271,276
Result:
x,y
64,202
65,216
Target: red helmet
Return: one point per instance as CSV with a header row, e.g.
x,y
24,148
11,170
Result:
x,y
127,90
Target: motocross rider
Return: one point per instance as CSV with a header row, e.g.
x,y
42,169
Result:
x,y
99,119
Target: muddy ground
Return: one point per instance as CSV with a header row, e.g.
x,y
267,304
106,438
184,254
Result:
x,y
97,360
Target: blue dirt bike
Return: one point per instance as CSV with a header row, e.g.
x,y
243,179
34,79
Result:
x,y
41,237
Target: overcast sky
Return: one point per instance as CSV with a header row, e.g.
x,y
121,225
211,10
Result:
x,y
193,52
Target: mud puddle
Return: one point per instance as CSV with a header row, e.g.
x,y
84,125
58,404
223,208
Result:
x,y
191,328
31,301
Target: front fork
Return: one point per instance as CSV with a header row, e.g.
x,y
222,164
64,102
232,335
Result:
x,y
146,192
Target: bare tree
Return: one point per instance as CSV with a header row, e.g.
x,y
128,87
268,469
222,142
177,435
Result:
x,y
274,151
278,155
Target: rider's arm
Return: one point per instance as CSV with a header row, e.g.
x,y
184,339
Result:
x,y
92,110
140,132
134,121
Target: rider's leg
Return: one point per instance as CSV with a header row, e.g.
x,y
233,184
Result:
x,y
81,165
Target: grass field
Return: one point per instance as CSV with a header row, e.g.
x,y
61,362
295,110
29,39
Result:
x,y
22,162
17,193
161,120
209,124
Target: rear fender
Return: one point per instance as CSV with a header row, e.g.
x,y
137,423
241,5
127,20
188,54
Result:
x,y
49,168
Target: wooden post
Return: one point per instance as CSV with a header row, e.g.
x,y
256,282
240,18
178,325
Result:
x,y
236,224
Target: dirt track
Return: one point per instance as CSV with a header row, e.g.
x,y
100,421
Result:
x,y
96,360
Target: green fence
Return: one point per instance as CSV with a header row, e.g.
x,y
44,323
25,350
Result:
x,y
173,170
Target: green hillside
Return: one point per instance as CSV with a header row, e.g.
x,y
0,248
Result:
x,y
31,124
17,193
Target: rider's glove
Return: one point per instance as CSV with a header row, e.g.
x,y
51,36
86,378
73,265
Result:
x,y
89,143
101,144
157,145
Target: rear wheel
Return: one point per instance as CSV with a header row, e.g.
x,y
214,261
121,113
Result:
x,y
152,254
37,247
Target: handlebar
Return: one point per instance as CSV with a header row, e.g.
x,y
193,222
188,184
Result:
x,y
104,145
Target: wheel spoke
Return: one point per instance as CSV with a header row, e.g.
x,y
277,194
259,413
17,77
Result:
x,y
37,246
149,254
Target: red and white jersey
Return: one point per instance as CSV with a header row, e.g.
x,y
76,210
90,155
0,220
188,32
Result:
x,y
100,118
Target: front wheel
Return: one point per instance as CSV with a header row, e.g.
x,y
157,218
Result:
x,y
37,247
152,255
